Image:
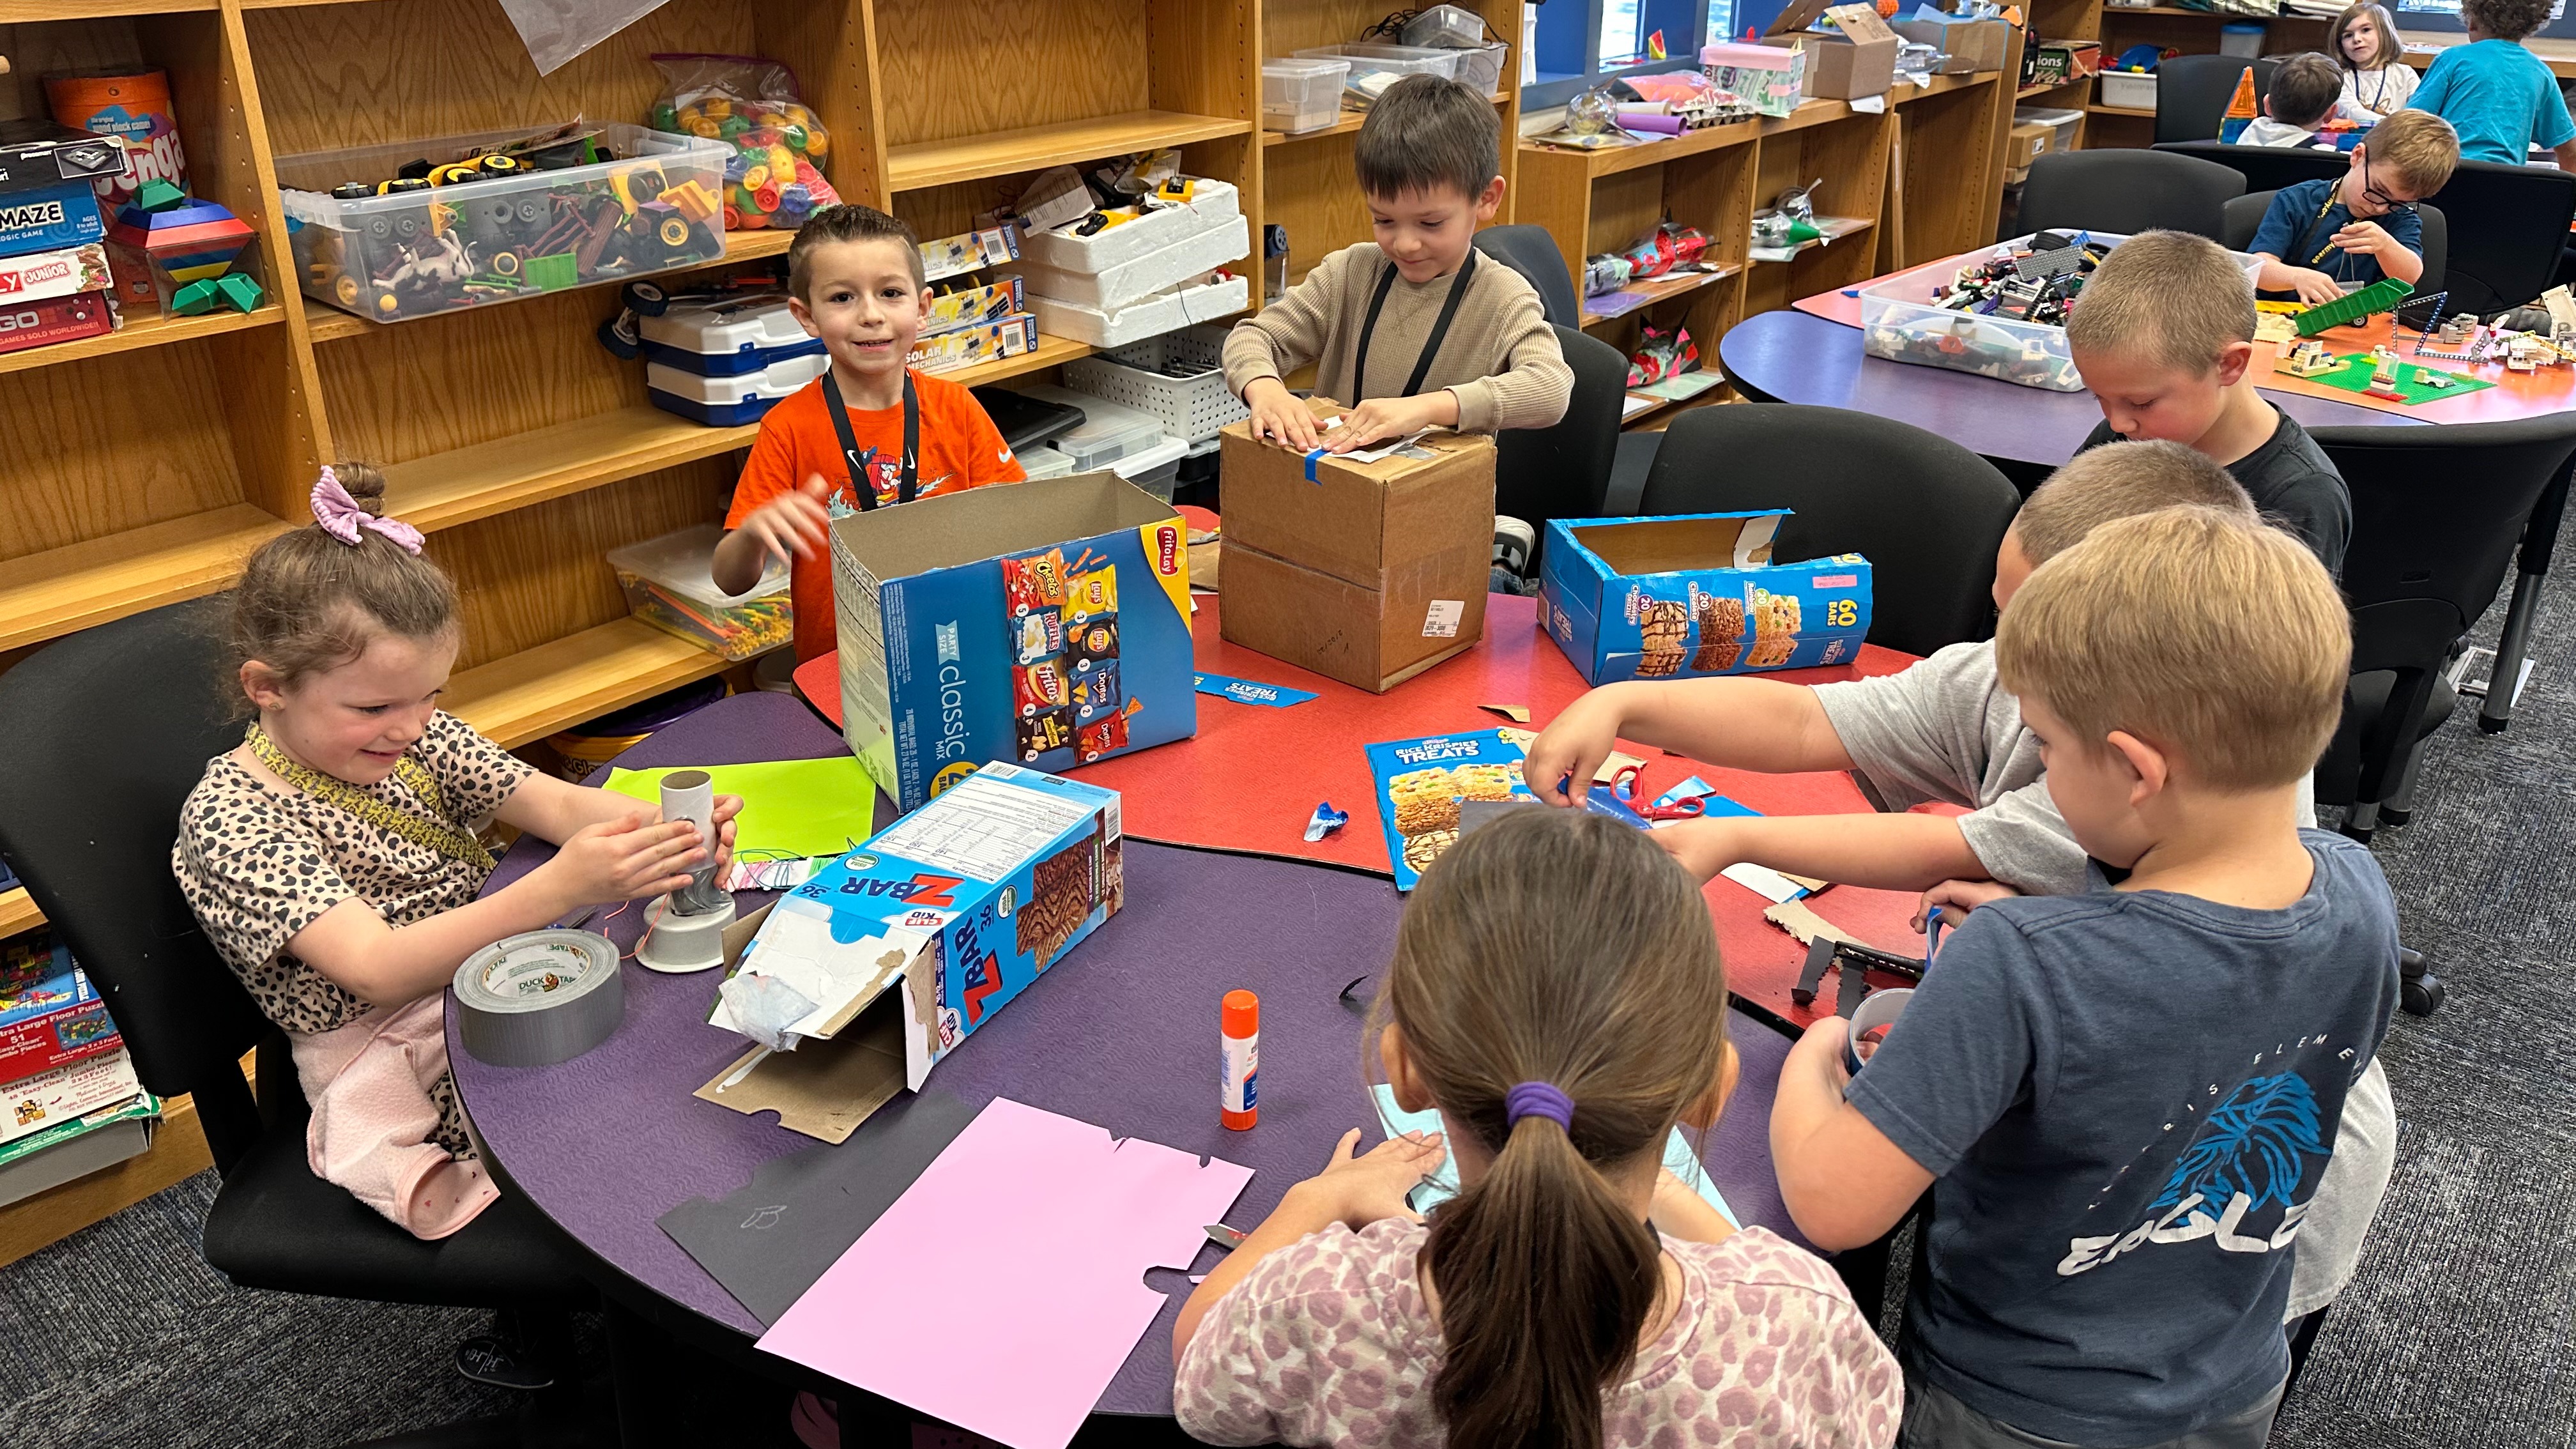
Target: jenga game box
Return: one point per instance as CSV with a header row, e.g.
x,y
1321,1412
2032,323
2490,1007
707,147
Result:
x,y
1696,594
979,892
1045,623
1365,572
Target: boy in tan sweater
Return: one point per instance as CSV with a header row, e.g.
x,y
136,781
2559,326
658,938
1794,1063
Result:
x,y
1414,329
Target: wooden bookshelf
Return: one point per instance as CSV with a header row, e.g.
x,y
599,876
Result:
x,y
532,694
2168,27
142,332
1035,148
18,912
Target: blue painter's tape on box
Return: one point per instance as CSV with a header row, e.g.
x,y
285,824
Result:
x,y
1696,594
49,218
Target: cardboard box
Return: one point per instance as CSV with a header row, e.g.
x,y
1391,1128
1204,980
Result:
x,y
1696,594
962,903
1368,573
49,218
1857,61
2028,141
1967,46
77,1147
64,273
2058,62
967,346
1765,78
53,1021
1045,622
972,306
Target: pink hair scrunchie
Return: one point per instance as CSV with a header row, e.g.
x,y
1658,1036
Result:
x,y
341,517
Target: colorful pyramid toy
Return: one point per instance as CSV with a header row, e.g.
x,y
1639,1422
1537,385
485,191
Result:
x,y
2242,108
189,244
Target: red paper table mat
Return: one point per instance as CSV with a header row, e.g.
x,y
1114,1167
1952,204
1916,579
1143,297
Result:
x,y
1251,777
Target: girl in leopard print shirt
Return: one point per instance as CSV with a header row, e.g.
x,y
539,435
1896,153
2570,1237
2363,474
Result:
x,y
333,861
1556,994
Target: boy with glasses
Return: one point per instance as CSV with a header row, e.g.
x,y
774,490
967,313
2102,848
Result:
x,y
2320,238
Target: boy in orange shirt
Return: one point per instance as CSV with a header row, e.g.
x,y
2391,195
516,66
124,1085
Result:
x,y
855,280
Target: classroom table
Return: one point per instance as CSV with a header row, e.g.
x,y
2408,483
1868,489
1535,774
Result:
x,y
1253,775
1120,1033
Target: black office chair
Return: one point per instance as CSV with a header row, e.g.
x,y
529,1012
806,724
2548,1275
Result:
x,y
1531,251
1926,512
2265,168
2243,216
102,736
2513,230
2126,192
2419,576
1561,471
2192,92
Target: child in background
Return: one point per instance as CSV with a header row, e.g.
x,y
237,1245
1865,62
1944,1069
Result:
x,y
868,432
1574,1293
332,858
1945,731
1413,330
2302,99
2123,1101
2377,81
2499,97
2319,236
2165,340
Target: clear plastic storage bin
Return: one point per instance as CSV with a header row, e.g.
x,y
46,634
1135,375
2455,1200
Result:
x,y
669,584
1109,432
2061,120
416,253
1302,95
1375,67
1900,321
1446,26
1178,378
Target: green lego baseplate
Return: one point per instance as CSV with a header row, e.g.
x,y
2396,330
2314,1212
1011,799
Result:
x,y
2380,296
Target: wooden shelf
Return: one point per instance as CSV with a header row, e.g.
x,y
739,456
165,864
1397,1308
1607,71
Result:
x,y
2026,92
1835,228
1034,148
18,913
329,324
28,12
532,694
143,332
2110,10
2097,108
1349,122
43,595
1661,289
443,490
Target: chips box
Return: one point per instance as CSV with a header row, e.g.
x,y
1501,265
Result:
x,y
1696,594
53,1022
49,218
1046,623
1368,573
944,917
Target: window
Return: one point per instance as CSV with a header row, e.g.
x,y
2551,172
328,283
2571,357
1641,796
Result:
x,y
1575,44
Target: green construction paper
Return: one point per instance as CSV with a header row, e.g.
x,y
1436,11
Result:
x,y
2354,376
790,808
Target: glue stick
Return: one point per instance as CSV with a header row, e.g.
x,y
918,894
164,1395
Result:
x,y
1237,1100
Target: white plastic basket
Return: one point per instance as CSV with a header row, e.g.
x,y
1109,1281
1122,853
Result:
x,y
1178,377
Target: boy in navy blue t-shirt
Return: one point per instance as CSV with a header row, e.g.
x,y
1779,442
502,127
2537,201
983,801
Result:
x,y
2124,1100
2319,237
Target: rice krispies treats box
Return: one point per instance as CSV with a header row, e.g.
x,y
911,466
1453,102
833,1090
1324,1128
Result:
x,y
981,890
1696,594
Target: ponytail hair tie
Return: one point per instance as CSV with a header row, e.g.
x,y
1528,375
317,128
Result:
x,y
341,517
1538,1099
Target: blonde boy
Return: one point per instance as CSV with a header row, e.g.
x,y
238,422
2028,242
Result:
x,y
2125,1101
2164,335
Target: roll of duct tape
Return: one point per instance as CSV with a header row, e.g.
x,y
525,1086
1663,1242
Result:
x,y
1878,1009
540,998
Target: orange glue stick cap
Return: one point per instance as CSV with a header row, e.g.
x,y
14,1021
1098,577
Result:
x,y
1242,1013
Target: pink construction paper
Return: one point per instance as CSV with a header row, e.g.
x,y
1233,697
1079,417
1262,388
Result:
x,y
1002,1291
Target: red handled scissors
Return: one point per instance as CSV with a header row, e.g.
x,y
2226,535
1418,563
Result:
x,y
1628,785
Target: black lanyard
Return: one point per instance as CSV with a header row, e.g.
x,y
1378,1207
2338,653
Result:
x,y
1430,349
860,484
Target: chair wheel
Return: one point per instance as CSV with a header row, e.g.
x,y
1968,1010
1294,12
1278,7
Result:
x,y
2421,995
2363,835
488,1359
2393,817
2488,726
2410,961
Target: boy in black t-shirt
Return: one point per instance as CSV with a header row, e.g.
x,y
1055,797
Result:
x,y
2164,335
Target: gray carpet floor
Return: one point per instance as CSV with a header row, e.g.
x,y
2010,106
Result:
x,y
2456,1334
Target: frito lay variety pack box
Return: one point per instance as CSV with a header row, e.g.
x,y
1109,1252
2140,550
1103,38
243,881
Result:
x,y
961,904
1694,594
1046,623
1368,573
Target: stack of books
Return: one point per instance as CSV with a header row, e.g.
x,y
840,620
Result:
x,y
70,1103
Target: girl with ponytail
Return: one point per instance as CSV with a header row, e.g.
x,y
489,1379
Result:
x,y
1556,993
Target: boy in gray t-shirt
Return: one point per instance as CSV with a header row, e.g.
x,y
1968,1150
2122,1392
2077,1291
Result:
x,y
1945,731
2125,1101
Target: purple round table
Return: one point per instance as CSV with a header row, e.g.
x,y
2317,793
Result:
x,y
1790,356
1121,1033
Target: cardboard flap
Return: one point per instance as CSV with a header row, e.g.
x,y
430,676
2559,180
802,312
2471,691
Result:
x,y
1796,16
950,530
1666,545
1860,23
824,1089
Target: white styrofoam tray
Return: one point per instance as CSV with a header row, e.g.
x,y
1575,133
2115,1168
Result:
x,y
1212,206
1203,299
1120,284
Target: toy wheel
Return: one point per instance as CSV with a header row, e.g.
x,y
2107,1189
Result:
x,y
388,303
674,231
407,228
380,227
646,299
345,291
506,263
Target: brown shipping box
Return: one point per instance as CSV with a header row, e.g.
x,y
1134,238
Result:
x,y
1967,46
1370,573
1858,62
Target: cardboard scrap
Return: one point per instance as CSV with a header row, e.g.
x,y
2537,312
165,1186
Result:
x,y
1516,713
1794,918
